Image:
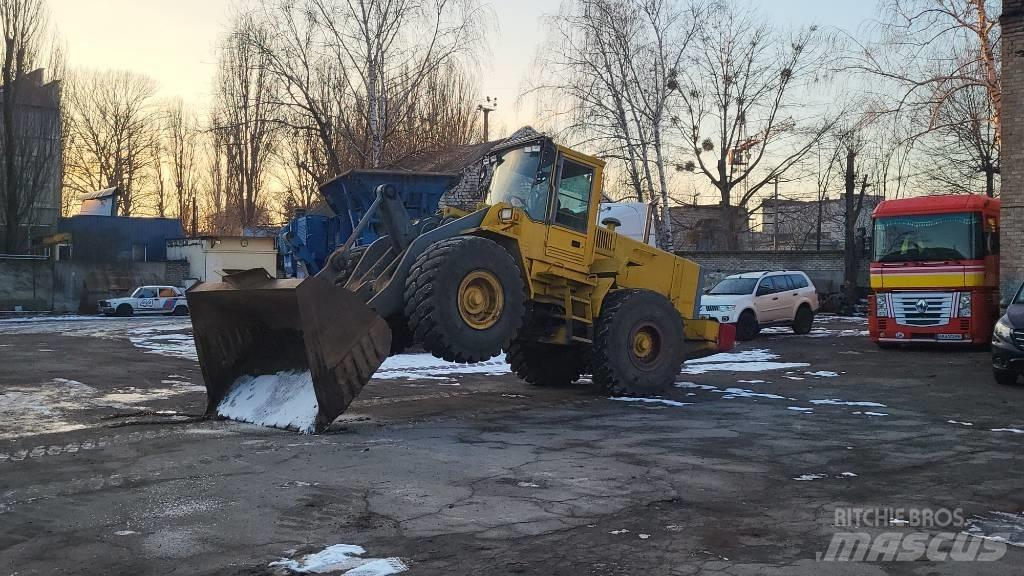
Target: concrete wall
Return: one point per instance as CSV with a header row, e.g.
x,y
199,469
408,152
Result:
x,y
824,268
43,285
1012,151
25,282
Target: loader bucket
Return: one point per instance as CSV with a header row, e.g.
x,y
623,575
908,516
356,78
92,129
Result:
x,y
284,353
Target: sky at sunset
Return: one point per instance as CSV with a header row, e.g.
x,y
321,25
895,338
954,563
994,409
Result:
x,y
173,41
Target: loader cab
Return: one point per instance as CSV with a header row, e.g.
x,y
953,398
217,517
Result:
x,y
554,186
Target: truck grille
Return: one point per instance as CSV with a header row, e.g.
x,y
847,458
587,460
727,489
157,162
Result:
x,y
923,308
713,308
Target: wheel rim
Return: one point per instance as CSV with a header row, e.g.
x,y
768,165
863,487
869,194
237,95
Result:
x,y
481,299
645,345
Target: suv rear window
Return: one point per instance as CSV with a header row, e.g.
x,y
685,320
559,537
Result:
x,y
798,280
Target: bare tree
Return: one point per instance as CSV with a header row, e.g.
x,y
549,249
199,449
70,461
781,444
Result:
x,y
372,81
113,126
938,62
29,122
244,125
608,72
181,142
747,112
298,154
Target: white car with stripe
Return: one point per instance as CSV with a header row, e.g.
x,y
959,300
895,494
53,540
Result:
x,y
147,300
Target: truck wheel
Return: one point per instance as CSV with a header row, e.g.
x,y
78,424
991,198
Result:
x,y
804,320
1004,377
546,365
124,310
638,343
747,327
465,299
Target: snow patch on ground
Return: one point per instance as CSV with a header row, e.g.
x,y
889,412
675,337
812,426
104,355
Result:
x,y
809,477
1004,527
960,423
838,402
650,401
47,407
343,557
729,393
870,413
1013,430
823,374
800,409
282,400
758,360
427,367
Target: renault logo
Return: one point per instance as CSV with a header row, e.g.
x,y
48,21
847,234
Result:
x,y
922,306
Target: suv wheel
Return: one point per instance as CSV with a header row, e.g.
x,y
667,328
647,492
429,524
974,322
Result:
x,y
747,327
804,320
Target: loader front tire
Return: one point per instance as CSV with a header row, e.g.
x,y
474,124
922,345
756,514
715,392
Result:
x,y
465,299
546,365
638,343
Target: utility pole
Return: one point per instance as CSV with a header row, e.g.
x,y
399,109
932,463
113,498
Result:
x,y
775,228
487,106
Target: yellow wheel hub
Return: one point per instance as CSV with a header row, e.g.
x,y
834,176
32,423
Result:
x,y
481,299
643,344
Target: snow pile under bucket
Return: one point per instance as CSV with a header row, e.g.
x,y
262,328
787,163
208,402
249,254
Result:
x,y
282,400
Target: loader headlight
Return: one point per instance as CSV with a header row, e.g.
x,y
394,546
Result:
x,y
507,214
965,304
881,306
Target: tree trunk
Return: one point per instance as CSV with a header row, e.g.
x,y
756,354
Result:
x,y
850,255
11,220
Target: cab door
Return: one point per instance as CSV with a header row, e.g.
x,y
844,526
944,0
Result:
x,y
146,300
570,214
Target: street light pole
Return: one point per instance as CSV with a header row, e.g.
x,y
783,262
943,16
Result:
x,y
487,106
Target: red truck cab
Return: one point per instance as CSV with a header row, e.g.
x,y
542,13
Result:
x,y
935,270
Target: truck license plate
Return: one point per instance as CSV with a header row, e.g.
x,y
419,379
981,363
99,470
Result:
x,y
949,336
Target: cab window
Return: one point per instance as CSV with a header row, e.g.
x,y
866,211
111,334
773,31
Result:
x,y
766,287
784,282
167,293
572,203
146,293
798,281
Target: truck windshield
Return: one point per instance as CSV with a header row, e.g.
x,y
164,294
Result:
x,y
734,286
522,178
928,237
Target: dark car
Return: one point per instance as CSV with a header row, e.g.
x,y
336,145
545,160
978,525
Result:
x,y
1008,342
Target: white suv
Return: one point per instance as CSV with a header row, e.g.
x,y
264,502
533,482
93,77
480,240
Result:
x,y
753,300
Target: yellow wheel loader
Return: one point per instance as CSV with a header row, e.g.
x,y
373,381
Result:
x,y
530,273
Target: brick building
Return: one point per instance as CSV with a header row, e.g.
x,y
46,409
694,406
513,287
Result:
x,y
793,224
700,227
37,122
1012,149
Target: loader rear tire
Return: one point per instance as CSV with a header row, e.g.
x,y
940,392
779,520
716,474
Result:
x,y
465,299
546,365
638,343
